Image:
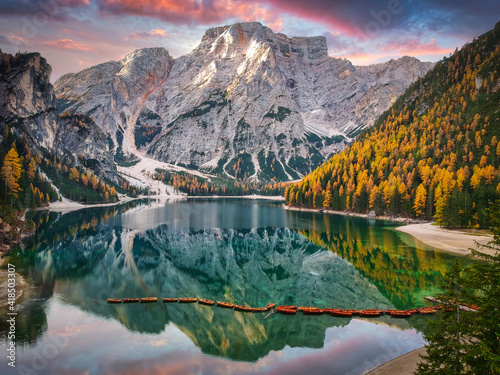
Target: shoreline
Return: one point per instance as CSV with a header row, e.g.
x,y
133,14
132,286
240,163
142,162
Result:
x,y
396,219
453,241
405,364
67,205
251,197
450,240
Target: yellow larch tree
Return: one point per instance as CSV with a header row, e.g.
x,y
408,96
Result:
x,y
11,171
420,200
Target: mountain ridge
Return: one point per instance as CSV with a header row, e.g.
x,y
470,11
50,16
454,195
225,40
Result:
x,y
244,95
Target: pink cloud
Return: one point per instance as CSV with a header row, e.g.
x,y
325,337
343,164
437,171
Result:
x,y
73,3
322,12
187,11
338,17
415,47
65,44
148,34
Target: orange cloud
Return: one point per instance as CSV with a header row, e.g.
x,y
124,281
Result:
x,y
17,38
66,44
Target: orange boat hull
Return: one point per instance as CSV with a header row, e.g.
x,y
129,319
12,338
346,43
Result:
x,y
169,300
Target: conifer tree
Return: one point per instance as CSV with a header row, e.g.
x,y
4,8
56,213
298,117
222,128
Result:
x,y
11,171
420,200
31,169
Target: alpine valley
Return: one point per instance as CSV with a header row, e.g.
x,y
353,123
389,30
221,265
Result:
x,y
245,111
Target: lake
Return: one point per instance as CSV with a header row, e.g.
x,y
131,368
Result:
x,y
249,252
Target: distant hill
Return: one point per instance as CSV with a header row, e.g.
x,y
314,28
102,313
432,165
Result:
x,y
435,152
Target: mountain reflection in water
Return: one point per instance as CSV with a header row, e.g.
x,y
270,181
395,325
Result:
x,y
244,252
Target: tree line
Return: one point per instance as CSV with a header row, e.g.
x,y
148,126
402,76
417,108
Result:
x,y
195,185
435,153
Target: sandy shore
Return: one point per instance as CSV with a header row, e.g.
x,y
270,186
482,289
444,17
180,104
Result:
x,y
67,205
454,241
402,365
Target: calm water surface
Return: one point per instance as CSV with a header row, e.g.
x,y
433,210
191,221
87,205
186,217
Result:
x,y
241,251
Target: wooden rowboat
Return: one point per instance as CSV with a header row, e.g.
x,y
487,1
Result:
x,y
353,312
187,300
284,310
342,313
400,314
259,309
288,307
169,300
328,310
369,314
204,301
310,310
114,300
130,300
270,306
149,299
242,308
427,311
225,304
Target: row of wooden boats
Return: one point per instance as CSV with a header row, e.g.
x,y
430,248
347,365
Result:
x,y
201,301
133,300
367,313
288,309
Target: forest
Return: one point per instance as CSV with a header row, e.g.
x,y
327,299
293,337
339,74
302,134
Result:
x,y
434,154
194,185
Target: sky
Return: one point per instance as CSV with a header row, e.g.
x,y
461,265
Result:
x,y
75,34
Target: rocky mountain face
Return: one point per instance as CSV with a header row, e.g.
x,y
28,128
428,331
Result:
x,y
27,97
246,102
113,93
27,104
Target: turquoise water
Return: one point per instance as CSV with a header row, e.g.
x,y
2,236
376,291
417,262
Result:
x,y
241,251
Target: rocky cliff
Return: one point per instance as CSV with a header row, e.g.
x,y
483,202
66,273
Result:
x,y
246,102
27,97
27,105
114,93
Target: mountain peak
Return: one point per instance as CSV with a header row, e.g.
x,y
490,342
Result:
x,y
237,28
234,38
247,102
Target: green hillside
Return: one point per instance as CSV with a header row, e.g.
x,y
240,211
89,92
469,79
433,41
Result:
x,y
434,153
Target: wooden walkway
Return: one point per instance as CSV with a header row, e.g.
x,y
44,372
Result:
x,y
462,307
